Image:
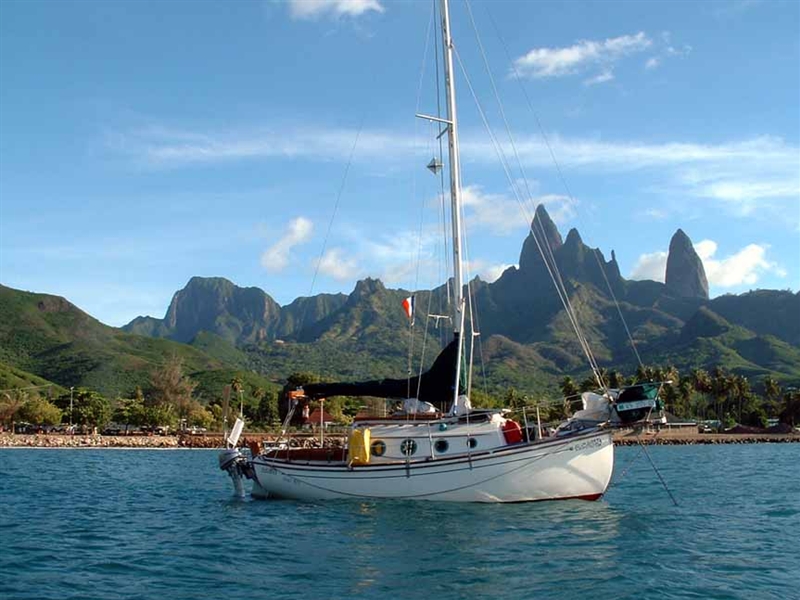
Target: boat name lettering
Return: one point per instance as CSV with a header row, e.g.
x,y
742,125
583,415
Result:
x,y
593,443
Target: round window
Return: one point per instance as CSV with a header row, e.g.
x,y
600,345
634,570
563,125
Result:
x,y
408,447
472,442
441,446
378,448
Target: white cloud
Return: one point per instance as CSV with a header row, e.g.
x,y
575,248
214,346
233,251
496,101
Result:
x,y
742,174
162,147
740,191
602,77
560,208
401,258
666,50
732,9
276,257
744,267
651,266
501,214
738,173
559,62
654,214
632,155
336,265
487,272
498,213
313,9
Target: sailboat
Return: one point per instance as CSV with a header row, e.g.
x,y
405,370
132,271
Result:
x,y
435,445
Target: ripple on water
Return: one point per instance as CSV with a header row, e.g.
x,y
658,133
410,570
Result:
x,y
102,524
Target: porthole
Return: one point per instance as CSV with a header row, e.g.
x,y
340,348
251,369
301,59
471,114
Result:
x,y
472,442
408,447
441,446
378,448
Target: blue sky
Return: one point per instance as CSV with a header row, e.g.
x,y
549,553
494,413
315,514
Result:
x,y
142,143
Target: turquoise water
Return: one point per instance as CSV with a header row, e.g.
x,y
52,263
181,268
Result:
x,y
146,524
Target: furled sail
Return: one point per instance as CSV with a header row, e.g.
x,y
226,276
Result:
x,y
435,385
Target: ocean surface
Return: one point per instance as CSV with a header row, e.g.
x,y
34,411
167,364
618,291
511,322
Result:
x,y
150,524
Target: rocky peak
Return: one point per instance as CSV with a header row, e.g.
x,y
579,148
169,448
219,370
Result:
x,y
546,231
217,305
367,287
574,239
686,277
612,267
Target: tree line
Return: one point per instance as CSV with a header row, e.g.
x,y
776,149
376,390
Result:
x,y
718,394
169,400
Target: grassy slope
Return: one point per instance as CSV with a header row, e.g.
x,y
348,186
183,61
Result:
x,y
52,338
46,336
11,378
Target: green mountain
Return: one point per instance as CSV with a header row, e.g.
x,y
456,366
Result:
x,y
237,315
53,339
12,378
526,335
527,339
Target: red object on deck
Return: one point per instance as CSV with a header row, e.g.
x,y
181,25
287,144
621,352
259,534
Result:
x,y
512,432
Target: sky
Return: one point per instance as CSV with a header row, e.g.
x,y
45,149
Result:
x,y
275,143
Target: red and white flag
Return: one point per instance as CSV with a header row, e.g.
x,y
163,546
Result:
x,y
408,306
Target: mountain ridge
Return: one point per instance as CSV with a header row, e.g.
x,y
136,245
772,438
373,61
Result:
x,y
526,334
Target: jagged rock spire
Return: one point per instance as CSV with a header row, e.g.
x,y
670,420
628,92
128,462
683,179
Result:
x,y
686,277
545,230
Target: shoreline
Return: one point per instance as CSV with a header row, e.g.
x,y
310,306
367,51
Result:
x,y
679,438
183,442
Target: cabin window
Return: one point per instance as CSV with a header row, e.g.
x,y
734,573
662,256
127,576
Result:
x,y
441,446
472,442
408,447
378,448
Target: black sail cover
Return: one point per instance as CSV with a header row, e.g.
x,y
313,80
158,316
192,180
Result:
x,y
435,385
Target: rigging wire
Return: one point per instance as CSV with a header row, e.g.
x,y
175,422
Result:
x,y
333,216
336,205
504,163
560,287
559,172
442,200
422,204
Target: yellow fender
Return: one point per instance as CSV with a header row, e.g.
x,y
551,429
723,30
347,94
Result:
x,y
359,446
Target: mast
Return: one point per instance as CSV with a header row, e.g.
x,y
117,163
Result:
x,y
455,188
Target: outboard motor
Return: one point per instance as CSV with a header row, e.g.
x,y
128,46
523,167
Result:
x,y
233,461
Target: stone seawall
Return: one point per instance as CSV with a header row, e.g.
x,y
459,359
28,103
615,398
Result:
x,y
622,438
47,440
682,439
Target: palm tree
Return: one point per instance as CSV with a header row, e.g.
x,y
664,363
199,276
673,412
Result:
x,y
740,390
721,385
237,387
10,405
791,407
616,379
772,393
700,382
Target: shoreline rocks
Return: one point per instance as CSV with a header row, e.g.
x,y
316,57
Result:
x,y
621,438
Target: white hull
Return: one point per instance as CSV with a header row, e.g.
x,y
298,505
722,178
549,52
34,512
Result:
x,y
578,466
